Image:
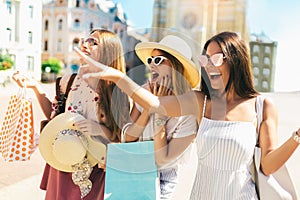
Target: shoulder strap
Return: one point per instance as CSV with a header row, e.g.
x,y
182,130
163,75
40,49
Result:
x,y
70,82
259,110
63,97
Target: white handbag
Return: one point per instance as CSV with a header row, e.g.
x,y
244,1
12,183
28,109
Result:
x,y
277,186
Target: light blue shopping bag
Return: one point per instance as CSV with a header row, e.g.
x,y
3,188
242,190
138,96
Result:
x,y
131,172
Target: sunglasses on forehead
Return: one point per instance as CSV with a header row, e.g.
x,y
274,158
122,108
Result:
x,y
216,59
157,60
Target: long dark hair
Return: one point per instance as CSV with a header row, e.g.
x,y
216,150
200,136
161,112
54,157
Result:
x,y
238,58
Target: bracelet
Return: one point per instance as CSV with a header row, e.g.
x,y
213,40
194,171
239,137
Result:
x,y
159,122
296,137
123,132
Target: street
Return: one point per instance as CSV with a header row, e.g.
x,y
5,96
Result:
x,y
20,180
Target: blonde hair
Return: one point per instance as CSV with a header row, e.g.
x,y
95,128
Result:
x,y
112,101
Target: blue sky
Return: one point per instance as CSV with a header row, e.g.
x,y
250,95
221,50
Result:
x,y
276,18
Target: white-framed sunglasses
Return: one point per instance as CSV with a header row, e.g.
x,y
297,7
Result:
x,y
157,60
216,59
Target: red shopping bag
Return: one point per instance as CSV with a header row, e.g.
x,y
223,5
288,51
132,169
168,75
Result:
x,y
17,133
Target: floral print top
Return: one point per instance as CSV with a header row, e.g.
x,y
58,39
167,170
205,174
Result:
x,y
82,99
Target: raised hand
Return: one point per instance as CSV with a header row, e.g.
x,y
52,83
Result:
x,y
24,81
95,69
163,88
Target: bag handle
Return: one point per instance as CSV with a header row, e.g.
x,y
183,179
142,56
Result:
x,y
259,111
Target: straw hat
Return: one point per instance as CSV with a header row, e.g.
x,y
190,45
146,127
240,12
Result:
x,y
63,146
178,48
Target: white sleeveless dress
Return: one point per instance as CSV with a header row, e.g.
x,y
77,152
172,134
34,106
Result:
x,y
225,154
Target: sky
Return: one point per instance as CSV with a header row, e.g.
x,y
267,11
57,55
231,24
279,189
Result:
x,y
278,19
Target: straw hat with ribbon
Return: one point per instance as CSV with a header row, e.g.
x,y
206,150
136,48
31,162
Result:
x,y
178,48
65,148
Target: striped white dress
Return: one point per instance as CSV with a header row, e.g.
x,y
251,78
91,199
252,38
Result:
x,y
225,154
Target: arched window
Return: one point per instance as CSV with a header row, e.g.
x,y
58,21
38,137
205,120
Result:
x,y
46,45
60,24
29,37
46,25
77,3
91,26
75,42
76,23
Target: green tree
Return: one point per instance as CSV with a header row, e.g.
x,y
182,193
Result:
x,y
52,65
6,62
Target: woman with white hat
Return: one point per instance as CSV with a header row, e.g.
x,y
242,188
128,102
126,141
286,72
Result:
x,y
172,72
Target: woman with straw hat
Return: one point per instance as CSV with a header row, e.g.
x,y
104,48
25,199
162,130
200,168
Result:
x,y
88,117
230,113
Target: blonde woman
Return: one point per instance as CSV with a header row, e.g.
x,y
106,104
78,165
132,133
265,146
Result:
x,y
98,102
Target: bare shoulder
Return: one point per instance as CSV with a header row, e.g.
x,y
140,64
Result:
x,y
270,107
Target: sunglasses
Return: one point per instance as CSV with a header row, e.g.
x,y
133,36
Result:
x,y
89,42
157,60
216,59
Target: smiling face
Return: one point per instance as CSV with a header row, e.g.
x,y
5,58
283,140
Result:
x,y
161,69
218,75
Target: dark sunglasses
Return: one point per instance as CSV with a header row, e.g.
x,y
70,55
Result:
x,y
90,42
157,60
216,59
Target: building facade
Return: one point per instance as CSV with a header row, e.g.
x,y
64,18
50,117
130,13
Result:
x,y
20,31
65,22
263,58
199,19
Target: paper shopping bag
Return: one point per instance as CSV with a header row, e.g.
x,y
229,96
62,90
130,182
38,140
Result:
x,y
17,132
131,172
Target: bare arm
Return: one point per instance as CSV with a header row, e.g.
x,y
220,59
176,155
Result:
x,y
169,151
272,157
185,104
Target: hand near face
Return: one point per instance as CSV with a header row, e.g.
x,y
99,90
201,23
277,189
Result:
x,y
163,88
94,69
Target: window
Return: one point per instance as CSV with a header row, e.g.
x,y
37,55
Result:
x,y
267,60
266,72
255,59
267,50
256,49
76,23
255,71
77,3
75,42
9,34
59,45
8,6
30,37
60,24
91,26
265,85
46,45
30,63
30,11
46,25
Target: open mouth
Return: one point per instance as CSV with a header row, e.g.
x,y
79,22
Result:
x,y
154,75
215,75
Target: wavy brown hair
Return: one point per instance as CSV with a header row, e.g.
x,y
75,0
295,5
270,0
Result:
x,y
112,101
237,55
